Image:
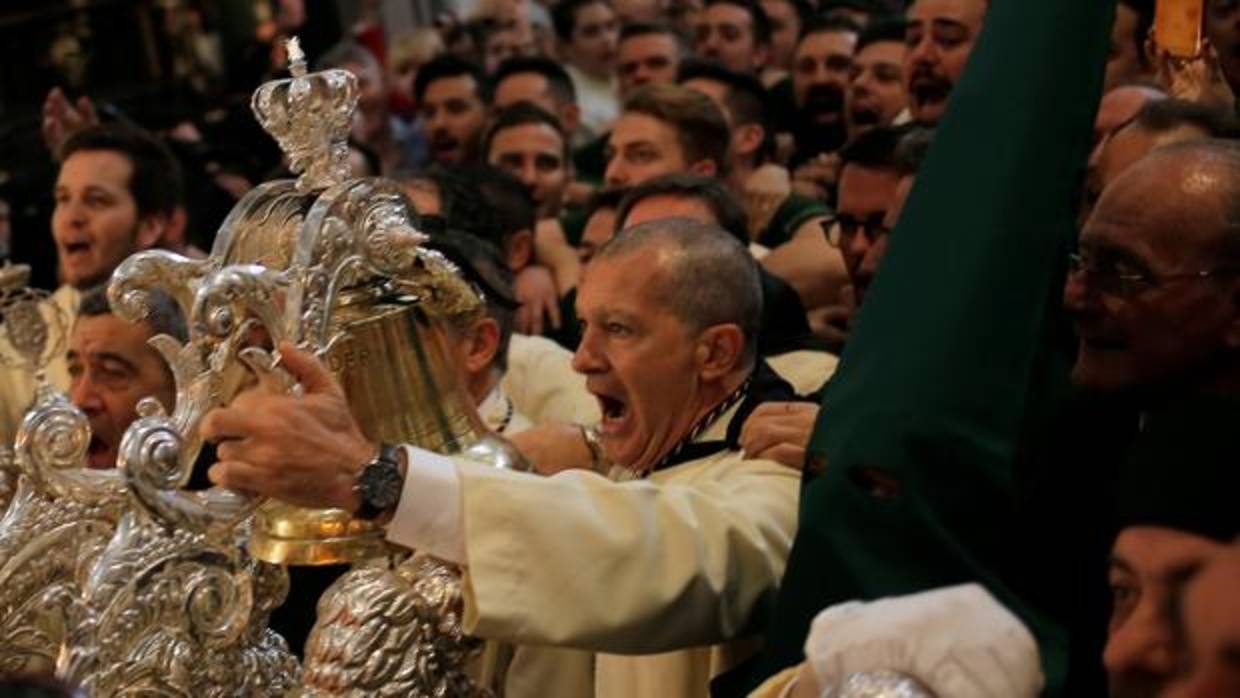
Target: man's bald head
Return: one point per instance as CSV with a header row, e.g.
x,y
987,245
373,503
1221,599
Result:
x,y
1155,297
1189,190
1159,123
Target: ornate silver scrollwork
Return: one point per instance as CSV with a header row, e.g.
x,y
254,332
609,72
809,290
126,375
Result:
x,y
179,613
309,115
58,522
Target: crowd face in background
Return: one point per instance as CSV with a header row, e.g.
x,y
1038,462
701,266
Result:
x,y
96,223
940,37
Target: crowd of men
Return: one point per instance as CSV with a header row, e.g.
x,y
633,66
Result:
x,y
682,215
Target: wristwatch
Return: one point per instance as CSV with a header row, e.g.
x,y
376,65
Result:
x,y
379,484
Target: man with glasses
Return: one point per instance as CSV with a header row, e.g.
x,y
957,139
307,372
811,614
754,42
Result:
x,y
873,167
1155,298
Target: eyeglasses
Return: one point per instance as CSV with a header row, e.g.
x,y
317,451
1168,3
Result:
x,y
1115,277
841,230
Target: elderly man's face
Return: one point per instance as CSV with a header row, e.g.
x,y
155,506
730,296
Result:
x,y
1154,305
638,359
111,368
940,37
821,70
1149,566
876,87
1211,614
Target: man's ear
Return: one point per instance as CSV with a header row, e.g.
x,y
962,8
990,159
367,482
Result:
x,y
705,168
520,250
151,229
748,139
720,350
482,346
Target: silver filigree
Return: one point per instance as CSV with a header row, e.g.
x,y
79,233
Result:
x,y
309,115
413,612
878,684
58,522
33,330
178,613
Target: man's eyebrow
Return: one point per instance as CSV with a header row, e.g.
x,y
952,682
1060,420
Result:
x,y
944,23
112,356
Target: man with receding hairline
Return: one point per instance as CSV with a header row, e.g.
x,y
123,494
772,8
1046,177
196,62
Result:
x,y
657,569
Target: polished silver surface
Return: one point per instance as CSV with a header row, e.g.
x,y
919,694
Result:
x,y
178,613
413,611
59,520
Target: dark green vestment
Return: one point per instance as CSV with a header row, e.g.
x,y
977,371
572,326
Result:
x,y
954,362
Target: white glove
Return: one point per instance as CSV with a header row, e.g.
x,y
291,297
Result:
x,y
958,642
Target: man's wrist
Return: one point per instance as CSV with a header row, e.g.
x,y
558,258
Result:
x,y
379,484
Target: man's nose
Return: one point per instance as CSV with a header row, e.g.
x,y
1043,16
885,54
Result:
x,y
616,174
924,52
529,174
588,359
1142,647
1076,294
84,395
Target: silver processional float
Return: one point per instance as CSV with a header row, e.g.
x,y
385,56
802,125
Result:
x,y
125,583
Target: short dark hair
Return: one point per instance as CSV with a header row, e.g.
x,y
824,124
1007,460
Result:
x,y
483,265
604,199
745,97
758,18
558,80
1145,20
451,66
564,16
507,195
163,315
882,30
709,190
462,205
830,25
1162,115
155,181
523,114
630,30
713,279
701,129
897,148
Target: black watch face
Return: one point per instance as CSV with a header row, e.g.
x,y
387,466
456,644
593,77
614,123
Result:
x,y
380,484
